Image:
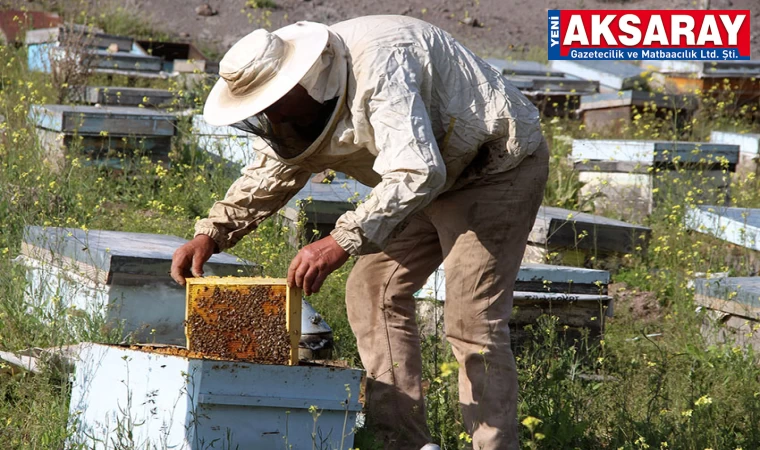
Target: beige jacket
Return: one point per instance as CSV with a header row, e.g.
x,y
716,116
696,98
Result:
x,y
418,114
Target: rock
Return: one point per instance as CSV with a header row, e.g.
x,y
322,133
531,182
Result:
x,y
184,35
206,10
472,22
405,12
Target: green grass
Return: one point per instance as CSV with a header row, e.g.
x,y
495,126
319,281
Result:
x,y
626,392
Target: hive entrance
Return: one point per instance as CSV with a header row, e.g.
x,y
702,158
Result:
x,y
246,319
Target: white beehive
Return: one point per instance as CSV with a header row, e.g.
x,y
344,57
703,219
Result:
x,y
628,178
147,397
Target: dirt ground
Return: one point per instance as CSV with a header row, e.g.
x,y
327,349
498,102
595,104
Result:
x,y
508,26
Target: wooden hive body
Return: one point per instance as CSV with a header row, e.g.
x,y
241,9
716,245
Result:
x,y
737,81
735,230
244,319
628,178
577,296
123,96
609,111
731,308
749,150
571,238
611,75
120,277
228,143
105,135
321,205
184,402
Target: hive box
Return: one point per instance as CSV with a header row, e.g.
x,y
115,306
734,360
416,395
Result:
x,y
749,150
554,96
227,143
628,178
179,56
732,309
312,212
736,81
561,236
123,96
736,229
124,278
612,76
610,111
164,398
91,50
107,136
577,296
517,67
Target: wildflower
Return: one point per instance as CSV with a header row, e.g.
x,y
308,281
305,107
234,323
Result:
x,y
703,400
531,422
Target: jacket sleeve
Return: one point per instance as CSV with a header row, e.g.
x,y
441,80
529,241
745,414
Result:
x,y
263,188
409,161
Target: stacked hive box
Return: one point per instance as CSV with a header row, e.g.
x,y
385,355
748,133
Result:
x,y
110,136
123,96
577,296
613,76
627,178
612,110
736,229
731,309
166,397
52,49
228,143
312,213
179,56
561,236
552,91
124,279
749,150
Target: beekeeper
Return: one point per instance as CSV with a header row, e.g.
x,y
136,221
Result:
x,y
458,165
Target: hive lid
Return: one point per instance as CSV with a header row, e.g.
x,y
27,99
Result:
x,y
636,98
92,37
562,274
740,226
94,120
115,257
325,202
537,278
735,295
201,127
649,152
706,69
614,74
517,67
558,227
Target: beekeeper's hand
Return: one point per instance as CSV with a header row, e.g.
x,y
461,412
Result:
x,y
314,263
188,260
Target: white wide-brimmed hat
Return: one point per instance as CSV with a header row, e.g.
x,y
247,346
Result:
x,y
261,68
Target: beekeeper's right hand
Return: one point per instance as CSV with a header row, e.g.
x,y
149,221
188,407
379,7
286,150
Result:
x,y
188,260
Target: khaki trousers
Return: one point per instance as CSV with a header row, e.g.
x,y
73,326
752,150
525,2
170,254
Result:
x,y
479,232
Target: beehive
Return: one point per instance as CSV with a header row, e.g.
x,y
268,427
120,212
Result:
x,y
243,319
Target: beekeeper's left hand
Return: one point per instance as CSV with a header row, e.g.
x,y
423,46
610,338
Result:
x,y
314,263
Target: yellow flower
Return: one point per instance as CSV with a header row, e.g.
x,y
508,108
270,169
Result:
x,y
531,422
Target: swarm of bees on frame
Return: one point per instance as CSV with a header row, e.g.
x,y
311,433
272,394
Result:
x,y
246,323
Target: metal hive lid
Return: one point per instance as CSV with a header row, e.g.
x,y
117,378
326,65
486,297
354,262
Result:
x,y
102,254
649,152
